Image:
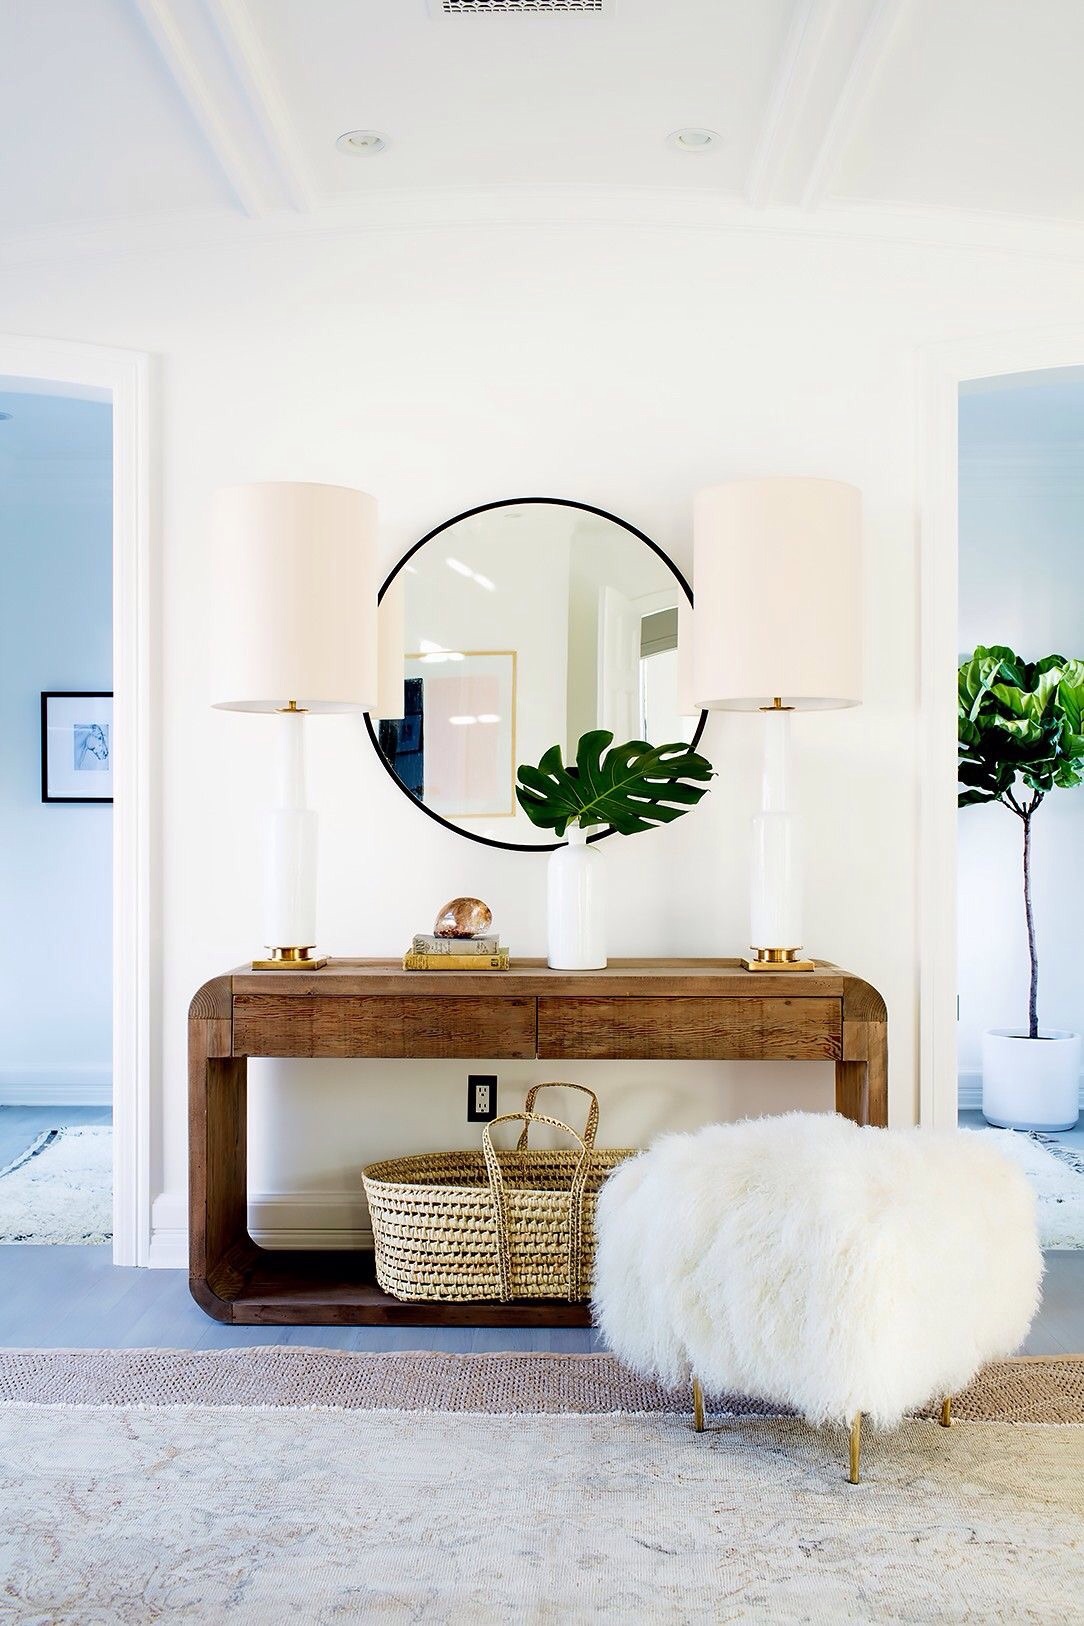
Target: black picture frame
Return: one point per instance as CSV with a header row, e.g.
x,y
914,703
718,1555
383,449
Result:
x,y
67,694
469,513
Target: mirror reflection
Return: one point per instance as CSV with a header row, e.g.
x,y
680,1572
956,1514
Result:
x,y
524,625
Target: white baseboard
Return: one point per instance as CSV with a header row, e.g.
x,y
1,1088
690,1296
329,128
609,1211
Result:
x,y
56,1086
969,1092
276,1219
309,1219
169,1233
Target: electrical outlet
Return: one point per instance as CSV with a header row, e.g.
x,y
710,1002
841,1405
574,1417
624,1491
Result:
x,y
481,1097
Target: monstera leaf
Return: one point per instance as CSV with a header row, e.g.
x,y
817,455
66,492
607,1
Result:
x,y
631,787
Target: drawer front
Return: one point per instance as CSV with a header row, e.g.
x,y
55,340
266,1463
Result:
x,y
295,1025
690,1029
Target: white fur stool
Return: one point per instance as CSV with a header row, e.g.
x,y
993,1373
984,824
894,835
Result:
x,y
812,1263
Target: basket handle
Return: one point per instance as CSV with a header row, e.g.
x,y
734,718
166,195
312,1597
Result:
x,y
560,1084
500,1202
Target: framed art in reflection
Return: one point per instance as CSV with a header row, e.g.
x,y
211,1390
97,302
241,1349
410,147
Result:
x,y
469,729
76,746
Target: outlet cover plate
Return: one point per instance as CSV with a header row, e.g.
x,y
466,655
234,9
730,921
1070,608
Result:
x,y
481,1108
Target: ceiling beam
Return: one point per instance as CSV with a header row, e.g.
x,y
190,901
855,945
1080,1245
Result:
x,y
795,75
233,25
869,58
829,62
226,105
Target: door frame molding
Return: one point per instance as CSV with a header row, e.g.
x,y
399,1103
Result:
x,y
124,375
942,369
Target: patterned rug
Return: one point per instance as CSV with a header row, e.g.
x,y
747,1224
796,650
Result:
x,y
1056,1171
60,1189
1038,1389
279,1515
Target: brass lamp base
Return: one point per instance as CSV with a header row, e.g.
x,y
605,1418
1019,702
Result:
x,y
785,959
291,959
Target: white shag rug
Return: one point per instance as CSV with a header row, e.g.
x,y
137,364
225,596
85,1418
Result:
x,y
60,1189
250,1517
1056,1172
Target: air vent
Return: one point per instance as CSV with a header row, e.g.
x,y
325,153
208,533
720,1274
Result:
x,y
522,8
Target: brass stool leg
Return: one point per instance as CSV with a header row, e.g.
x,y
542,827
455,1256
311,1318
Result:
x,y
698,1406
946,1412
855,1475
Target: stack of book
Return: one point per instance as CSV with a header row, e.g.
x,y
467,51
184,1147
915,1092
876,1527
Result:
x,y
429,953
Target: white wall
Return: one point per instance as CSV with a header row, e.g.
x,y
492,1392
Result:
x,y
621,365
1022,584
55,633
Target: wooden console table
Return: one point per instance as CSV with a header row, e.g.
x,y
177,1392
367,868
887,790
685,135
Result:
x,y
654,1010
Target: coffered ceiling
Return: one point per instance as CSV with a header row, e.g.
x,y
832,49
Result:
x,y
188,110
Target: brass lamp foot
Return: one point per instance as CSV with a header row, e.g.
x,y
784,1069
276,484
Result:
x,y
855,1475
291,959
946,1412
771,959
698,1406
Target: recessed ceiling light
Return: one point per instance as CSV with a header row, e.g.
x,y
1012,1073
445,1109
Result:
x,y
694,138
361,143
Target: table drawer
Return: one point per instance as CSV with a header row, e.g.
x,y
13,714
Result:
x,y
690,1029
444,1025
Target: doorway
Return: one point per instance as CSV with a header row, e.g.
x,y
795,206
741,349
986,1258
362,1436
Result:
x,y
118,381
56,702
1020,885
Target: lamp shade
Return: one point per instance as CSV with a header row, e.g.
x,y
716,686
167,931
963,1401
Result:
x,y
686,683
295,597
777,567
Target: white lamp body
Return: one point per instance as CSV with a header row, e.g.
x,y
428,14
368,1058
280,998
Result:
x,y
775,902
289,846
777,568
295,596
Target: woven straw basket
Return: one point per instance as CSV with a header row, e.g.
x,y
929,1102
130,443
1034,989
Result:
x,y
490,1224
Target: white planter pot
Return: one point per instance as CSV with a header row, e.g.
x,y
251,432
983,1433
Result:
x,y
576,905
1030,1083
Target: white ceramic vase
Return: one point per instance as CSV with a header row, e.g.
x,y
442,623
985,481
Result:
x,y
1030,1083
576,905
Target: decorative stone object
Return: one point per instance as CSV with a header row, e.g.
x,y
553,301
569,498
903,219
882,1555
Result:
x,y
463,917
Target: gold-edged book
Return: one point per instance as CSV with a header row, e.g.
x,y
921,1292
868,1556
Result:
x,y
456,962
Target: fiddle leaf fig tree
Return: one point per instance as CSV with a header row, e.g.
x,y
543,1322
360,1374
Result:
x,y
1021,735
631,787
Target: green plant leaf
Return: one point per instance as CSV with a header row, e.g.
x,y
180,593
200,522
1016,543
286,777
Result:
x,y
1018,720
630,787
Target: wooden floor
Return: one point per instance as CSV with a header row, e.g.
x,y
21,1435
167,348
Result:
x,y
75,1298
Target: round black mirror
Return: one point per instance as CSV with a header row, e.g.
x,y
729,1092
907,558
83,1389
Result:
x,y
525,623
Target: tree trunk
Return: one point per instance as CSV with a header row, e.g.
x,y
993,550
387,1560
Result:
x,y
1033,995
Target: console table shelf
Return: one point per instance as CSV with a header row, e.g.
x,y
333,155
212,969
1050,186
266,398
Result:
x,y
658,1010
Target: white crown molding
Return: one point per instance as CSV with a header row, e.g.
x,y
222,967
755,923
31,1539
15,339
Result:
x,y
214,61
1028,466
869,58
56,480
42,1085
549,208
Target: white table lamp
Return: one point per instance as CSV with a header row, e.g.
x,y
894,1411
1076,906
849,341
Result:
x,y
777,573
295,599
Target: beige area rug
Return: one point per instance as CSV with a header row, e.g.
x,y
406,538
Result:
x,y
279,1516
549,1489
